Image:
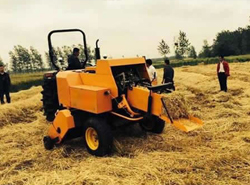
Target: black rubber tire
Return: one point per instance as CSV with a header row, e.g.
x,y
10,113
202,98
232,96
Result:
x,y
152,124
104,133
50,98
48,143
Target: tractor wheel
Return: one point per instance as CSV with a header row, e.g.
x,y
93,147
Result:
x,y
48,143
98,136
152,124
50,98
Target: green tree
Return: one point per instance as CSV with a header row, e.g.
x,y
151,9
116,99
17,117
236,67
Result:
x,y
47,60
23,59
192,52
36,59
206,50
20,59
23,56
65,51
163,48
182,46
15,65
225,44
56,55
82,54
232,42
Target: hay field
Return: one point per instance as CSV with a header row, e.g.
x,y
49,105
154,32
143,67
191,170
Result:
x,y
219,153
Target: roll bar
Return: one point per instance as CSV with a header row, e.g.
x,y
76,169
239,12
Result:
x,y
51,53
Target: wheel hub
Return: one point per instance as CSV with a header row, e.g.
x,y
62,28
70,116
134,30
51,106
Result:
x,y
91,137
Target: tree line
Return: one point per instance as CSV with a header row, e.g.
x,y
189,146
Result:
x,y
61,54
23,59
226,43
29,59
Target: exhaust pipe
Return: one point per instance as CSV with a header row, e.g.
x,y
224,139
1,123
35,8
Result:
x,y
97,51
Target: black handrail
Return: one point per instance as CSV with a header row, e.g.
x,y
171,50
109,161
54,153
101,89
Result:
x,y
51,54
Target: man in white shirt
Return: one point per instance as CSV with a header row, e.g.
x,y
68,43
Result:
x,y
151,71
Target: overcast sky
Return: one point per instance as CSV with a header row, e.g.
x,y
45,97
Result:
x,y
124,27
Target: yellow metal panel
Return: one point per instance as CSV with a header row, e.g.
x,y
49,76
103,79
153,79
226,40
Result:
x,y
156,104
104,102
138,98
63,122
90,99
106,81
102,67
64,80
126,61
90,68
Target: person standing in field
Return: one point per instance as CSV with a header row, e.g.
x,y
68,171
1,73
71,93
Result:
x,y
168,74
151,71
223,73
4,85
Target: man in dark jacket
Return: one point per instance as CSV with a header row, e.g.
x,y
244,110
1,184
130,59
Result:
x,y
168,75
223,73
73,60
4,85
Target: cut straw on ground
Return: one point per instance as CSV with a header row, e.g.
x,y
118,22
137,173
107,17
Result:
x,y
217,154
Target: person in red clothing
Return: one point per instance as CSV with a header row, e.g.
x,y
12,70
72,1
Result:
x,y
223,73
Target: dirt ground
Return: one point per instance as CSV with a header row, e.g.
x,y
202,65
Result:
x,y
219,153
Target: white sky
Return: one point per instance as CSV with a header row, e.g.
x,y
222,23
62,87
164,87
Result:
x,y
124,27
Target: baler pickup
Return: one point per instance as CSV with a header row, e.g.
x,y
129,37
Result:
x,y
185,124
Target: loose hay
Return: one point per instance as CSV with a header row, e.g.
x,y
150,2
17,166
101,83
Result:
x,y
176,105
218,154
24,94
22,109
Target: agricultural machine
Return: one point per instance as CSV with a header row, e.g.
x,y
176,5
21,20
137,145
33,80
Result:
x,y
92,101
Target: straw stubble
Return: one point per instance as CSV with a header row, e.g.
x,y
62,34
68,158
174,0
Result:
x,y
219,153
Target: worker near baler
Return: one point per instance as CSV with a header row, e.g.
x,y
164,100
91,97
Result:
x,y
168,74
151,71
4,85
223,73
73,60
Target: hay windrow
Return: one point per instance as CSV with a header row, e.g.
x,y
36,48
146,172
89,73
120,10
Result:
x,y
22,109
24,94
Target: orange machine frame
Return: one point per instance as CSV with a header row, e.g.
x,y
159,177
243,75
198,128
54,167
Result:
x,y
93,89
75,85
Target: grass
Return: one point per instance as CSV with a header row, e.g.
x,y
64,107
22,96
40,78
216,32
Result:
x,y
159,63
25,80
